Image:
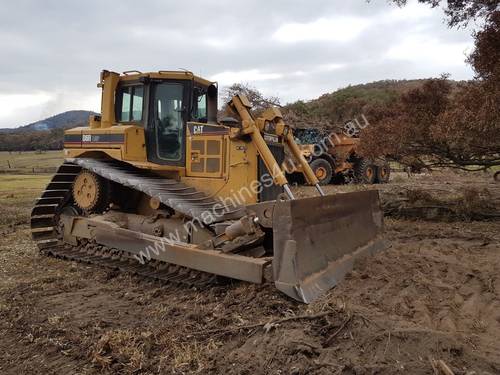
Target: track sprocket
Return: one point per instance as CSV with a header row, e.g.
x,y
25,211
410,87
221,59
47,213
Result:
x,y
91,192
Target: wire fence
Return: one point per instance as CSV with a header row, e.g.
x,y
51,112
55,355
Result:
x,y
30,162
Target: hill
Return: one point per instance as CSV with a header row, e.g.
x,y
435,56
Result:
x,y
347,103
42,135
65,120
331,109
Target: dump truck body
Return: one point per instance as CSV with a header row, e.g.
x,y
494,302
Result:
x,y
334,158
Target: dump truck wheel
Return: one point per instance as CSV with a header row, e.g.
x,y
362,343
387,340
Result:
x,y
383,173
323,171
365,171
339,179
91,192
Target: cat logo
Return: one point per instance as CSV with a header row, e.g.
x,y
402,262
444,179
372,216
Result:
x,y
198,129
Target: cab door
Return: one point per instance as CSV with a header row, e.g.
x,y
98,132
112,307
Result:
x,y
166,131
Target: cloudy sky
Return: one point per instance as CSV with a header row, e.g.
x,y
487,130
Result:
x,y
53,51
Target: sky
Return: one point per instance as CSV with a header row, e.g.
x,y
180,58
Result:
x,y
53,51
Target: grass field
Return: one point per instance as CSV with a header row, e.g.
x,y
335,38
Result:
x,y
30,161
17,193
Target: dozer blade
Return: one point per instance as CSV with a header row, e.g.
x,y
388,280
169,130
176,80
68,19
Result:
x,y
317,240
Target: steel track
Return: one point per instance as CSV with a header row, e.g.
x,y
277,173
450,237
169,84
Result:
x,y
45,219
172,193
92,253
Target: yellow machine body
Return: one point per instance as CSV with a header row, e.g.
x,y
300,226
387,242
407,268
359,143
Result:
x,y
156,170
216,164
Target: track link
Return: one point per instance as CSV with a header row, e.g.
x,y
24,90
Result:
x,y
182,198
92,253
46,234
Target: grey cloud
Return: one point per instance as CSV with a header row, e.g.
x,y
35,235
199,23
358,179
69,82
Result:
x,y
60,47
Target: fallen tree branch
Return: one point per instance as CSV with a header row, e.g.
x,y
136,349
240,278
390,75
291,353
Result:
x,y
444,368
257,325
335,334
440,367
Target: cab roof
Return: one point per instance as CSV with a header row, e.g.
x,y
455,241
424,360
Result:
x,y
133,75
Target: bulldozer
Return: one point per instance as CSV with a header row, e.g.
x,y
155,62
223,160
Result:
x,y
155,185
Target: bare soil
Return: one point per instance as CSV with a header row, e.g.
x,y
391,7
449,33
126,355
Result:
x,y
434,295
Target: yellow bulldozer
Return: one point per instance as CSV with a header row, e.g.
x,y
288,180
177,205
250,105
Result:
x,y
156,186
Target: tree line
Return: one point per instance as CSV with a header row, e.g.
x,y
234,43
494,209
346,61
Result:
x,y
425,123
439,124
32,140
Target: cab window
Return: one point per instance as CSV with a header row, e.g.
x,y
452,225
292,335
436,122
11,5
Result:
x,y
199,105
132,100
169,120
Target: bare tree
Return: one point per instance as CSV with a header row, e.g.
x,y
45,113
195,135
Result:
x,y
258,100
438,125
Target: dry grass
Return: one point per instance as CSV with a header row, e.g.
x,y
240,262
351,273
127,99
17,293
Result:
x,y
473,200
129,351
22,183
120,349
191,355
27,161
17,193
19,186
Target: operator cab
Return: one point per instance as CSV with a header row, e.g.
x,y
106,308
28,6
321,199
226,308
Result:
x,y
163,103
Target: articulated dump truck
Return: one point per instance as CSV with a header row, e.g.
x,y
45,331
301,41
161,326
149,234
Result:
x,y
154,185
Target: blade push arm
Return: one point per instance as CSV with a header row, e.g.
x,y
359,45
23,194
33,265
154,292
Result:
x,y
271,121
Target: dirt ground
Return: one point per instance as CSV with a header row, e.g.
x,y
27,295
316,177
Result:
x,y
434,295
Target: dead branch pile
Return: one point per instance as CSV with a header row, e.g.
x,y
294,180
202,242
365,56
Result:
x,y
466,204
